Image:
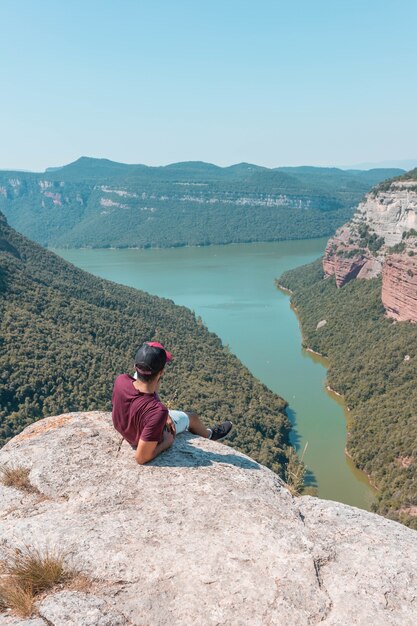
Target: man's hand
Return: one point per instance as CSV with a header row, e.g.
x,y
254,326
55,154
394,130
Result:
x,y
171,426
167,441
148,450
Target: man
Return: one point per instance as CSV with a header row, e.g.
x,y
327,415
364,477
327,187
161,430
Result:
x,y
139,415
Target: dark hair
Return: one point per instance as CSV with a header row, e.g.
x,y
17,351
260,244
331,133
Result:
x,y
147,378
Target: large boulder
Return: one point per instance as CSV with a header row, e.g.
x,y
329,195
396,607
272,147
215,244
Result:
x,y
202,535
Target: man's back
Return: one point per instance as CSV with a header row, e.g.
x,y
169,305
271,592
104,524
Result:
x,y
137,415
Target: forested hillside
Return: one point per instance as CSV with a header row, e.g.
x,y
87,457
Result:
x,y
373,363
65,335
99,203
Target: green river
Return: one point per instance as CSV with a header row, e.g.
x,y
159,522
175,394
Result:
x,y
232,289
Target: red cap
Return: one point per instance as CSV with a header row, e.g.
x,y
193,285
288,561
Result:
x,y
156,344
151,357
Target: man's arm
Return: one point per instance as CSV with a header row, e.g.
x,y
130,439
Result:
x,y
148,450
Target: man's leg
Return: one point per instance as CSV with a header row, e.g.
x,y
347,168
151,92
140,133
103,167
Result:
x,y
190,421
197,427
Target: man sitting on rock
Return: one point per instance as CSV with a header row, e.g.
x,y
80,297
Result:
x,y
139,415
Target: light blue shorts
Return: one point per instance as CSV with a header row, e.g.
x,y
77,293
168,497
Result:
x,y
180,419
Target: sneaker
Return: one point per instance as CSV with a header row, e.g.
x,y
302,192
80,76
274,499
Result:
x,y
221,431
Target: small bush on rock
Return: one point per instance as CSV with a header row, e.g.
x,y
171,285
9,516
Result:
x,y
28,573
17,477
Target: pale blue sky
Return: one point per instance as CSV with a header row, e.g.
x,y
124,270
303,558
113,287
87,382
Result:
x,y
320,82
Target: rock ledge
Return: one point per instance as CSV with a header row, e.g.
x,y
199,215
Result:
x,y
203,535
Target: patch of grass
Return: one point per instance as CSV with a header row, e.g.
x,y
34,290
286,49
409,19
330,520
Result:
x,y
17,477
16,598
28,573
80,583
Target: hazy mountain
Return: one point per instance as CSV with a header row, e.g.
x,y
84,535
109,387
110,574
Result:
x,y
404,164
97,202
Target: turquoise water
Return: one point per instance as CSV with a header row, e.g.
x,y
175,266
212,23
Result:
x,y
232,289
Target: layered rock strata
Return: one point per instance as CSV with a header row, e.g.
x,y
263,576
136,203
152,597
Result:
x,y
343,267
202,535
399,287
378,240
390,211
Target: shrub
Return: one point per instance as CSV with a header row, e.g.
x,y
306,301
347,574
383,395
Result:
x,y
399,247
409,233
17,477
26,574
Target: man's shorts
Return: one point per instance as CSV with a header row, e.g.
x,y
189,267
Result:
x,y
180,419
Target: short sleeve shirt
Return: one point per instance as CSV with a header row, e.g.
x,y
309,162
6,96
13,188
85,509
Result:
x,y
137,415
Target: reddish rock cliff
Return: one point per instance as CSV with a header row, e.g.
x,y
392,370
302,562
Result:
x,y
346,261
345,268
385,223
399,287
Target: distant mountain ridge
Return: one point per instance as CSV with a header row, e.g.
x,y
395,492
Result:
x,y
101,203
404,164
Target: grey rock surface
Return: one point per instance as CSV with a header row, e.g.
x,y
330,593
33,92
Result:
x,y
202,535
71,608
10,620
390,212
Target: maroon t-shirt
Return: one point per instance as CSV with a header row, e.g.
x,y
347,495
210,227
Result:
x,y
137,415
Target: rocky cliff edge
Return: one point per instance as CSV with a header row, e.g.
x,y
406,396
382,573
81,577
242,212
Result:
x,y
202,535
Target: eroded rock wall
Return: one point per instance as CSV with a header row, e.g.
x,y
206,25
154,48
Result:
x,y
399,287
390,212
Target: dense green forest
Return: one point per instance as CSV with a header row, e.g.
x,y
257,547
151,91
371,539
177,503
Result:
x,y
99,203
373,363
65,335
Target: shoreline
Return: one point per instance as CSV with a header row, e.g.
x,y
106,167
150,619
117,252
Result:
x,y
362,470
315,352
328,388
284,289
335,392
185,245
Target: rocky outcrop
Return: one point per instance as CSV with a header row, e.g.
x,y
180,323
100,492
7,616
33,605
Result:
x,y
202,535
364,247
390,210
399,287
344,266
346,259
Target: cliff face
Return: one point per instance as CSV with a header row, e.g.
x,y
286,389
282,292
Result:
x,y
344,267
390,212
202,535
381,237
399,287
